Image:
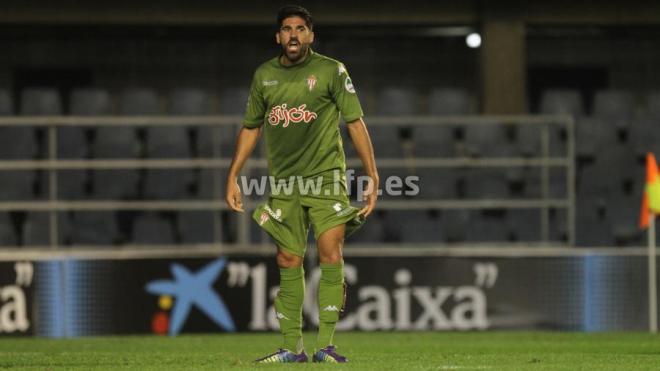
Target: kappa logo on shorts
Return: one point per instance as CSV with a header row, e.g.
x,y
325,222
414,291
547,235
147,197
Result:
x,y
331,308
337,207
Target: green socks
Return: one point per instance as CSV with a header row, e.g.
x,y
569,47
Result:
x,y
331,300
288,307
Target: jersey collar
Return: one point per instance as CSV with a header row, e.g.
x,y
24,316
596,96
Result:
x,y
303,64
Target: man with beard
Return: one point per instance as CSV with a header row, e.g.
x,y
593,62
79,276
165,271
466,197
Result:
x,y
302,95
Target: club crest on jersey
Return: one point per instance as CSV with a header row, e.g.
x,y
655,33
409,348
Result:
x,y
282,114
311,82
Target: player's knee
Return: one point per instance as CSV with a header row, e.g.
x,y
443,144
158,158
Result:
x,y
331,257
288,260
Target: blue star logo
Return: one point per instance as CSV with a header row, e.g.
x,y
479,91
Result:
x,y
190,289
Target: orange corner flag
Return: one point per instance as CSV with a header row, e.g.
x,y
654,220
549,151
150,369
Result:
x,y
651,197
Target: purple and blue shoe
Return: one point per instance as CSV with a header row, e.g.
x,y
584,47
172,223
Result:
x,y
328,355
283,356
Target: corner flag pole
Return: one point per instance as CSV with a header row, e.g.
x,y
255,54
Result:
x,y
653,296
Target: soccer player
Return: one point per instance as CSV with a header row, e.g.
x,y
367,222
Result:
x,y
301,96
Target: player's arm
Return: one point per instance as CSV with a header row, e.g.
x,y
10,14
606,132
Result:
x,y
245,143
362,142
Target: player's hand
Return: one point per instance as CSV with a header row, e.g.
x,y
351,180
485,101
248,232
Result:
x,y
370,196
233,196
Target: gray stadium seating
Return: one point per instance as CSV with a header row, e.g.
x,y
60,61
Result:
x,y
232,101
7,231
151,228
15,143
392,101
436,183
653,105
593,226
94,228
449,101
614,107
486,183
593,135
418,226
196,226
562,102
373,231
487,140
36,228
524,224
488,227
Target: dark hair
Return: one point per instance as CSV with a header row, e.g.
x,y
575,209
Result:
x,y
294,11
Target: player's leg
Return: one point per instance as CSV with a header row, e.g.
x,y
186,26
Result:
x,y
286,222
289,300
331,291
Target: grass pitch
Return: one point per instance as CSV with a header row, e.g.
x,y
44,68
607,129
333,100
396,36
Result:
x,y
373,351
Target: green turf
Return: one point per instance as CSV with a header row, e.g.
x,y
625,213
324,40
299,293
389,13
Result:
x,y
377,351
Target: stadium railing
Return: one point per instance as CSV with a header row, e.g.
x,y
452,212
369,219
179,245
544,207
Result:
x,y
52,164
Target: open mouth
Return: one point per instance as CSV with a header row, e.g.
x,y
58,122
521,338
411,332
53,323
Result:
x,y
293,46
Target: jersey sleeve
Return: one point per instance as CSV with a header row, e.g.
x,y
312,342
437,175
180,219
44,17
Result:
x,y
344,95
256,106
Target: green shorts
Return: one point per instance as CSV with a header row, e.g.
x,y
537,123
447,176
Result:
x,y
286,216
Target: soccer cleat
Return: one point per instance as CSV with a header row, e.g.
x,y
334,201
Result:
x,y
283,356
328,355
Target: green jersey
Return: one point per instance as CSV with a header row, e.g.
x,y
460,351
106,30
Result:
x,y
300,107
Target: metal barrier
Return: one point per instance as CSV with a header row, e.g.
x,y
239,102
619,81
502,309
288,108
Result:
x,y
52,164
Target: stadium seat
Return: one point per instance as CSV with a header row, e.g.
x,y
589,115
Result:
x,y
614,107
593,135
528,140
386,141
623,212
7,231
209,188
434,141
524,224
449,101
392,101
232,101
593,228
94,228
139,101
482,183
36,228
418,226
189,101
653,106
456,224
562,102
151,229
373,231
644,136
437,183
598,179
6,103
532,182
488,226
17,185
196,227
40,101
167,142
172,142
487,140
397,101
